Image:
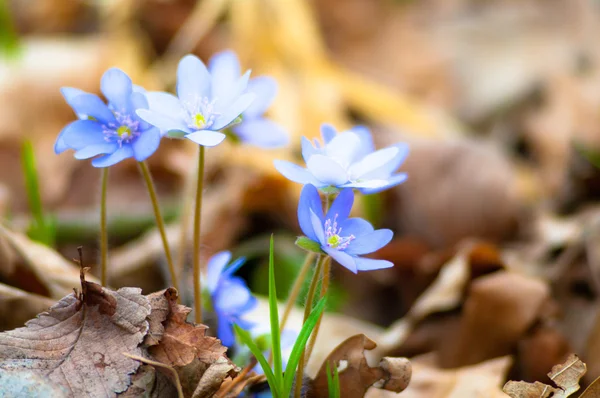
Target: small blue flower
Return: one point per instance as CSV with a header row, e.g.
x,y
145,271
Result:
x,y
206,102
347,160
231,298
342,238
113,130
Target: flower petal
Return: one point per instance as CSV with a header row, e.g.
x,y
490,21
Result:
x,y
308,149
232,296
82,133
328,132
327,170
233,111
262,133
366,141
193,79
165,103
92,105
165,123
343,148
69,93
120,154
367,184
265,89
224,330
355,226
146,144
317,225
372,162
370,242
296,173
391,182
94,150
309,201
370,264
215,268
341,206
60,146
224,68
390,167
344,259
206,137
117,88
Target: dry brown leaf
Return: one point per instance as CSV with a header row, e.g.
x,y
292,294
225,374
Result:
x,y
78,343
160,309
566,376
150,383
213,378
356,376
593,391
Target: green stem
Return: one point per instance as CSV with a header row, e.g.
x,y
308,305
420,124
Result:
x,y
196,248
307,309
103,228
159,221
324,288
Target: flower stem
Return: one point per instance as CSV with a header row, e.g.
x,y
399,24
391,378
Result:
x,y
196,248
103,227
159,221
324,288
307,309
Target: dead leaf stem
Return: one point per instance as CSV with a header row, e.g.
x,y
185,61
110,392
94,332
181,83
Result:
x,y
160,365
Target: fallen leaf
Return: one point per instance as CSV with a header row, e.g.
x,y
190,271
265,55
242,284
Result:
x,y
150,383
27,383
566,376
78,343
593,391
213,378
160,309
356,376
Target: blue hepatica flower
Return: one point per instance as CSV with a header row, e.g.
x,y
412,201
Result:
x,y
231,298
347,160
342,238
206,102
112,130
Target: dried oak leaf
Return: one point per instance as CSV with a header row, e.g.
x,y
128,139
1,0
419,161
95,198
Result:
x,y
160,309
356,376
78,343
566,376
149,382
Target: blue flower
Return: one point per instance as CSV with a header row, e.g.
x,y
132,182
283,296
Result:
x,y
206,102
230,296
347,160
342,238
113,130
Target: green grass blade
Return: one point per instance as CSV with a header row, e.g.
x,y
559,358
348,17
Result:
x,y
336,383
274,317
245,338
298,349
9,40
329,380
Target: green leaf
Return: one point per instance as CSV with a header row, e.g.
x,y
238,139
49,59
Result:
x,y
309,245
333,382
274,317
298,349
245,338
9,40
591,155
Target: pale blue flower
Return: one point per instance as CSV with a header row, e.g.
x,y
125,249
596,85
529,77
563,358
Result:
x,y
113,130
347,160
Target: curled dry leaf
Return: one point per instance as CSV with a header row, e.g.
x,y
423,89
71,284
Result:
x,y
78,343
566,376
356,376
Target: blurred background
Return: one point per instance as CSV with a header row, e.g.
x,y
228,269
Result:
x,y
497,229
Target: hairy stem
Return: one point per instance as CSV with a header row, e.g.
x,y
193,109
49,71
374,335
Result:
x,y
196,248
103,228
159,221
324,288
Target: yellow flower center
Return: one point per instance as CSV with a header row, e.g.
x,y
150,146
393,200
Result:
x,y
199,120
124,132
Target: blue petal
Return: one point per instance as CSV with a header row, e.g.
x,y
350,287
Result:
x,y
146,144
59,145
233,267
370,243
368,184
297,174
164,122
82,133
366,141
215,267
391,182
117,88
355,226
390,167
262,133
327,170
224,331
343,148
265,89
344,259
308,149
232,296
193,79
206,137
120,154
166,104
328,132
224,69
69,93
318,228
94,150
369,264
233,111
309,200
371,163
341,206
92,105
